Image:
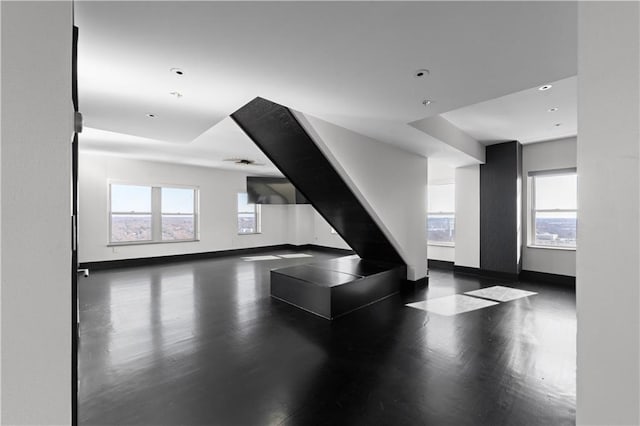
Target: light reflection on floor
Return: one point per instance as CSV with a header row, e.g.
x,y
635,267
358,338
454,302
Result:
x,y
500,293
452,305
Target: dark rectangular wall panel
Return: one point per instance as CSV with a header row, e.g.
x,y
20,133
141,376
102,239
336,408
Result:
x,y
273,190
499,198
275,130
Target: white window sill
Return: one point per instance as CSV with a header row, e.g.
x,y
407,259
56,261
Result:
x,y
531,246
452,245
144,243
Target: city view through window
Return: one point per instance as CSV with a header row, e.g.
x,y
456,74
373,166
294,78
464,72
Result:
x,y
132,214
441,228
441,214
178,218
248,215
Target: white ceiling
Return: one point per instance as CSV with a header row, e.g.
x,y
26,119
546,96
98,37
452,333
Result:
x,y
221,142
522,116
350,63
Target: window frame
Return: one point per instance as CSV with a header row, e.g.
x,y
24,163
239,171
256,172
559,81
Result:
x,y
257,211
532,211
441,213
156,214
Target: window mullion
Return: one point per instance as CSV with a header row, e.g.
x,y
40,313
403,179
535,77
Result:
x,y
532,213
196,214
556,210
156,213
134,213
258,219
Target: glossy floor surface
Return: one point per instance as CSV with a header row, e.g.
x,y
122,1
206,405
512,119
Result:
x,y
202,343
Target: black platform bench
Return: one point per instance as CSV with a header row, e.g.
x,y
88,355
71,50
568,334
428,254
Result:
x,y
338,286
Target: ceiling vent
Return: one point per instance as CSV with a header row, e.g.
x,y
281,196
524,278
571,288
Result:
x,y
244,161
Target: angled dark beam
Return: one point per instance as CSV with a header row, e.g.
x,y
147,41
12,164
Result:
x,y
278,134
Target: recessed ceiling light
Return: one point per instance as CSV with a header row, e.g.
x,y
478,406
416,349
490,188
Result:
x,y
427,102
545,87
554,109
421,73
177,71
151,115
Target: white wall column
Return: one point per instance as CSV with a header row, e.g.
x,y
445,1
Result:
x,y
608,254
468,216
37,125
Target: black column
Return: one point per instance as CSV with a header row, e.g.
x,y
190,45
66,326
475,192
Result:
x,y
500,222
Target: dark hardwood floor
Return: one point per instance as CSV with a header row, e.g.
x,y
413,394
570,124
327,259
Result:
x,y
202,343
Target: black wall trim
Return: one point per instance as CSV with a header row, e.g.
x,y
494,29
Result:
x,y
440,264
409,286
499,275
146,261
486,273
345,252
466,270
421,281
547,278
523,276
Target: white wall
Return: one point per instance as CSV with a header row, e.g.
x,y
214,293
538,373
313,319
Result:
x,y
37,120
440,173
301,224
1,243
468,216
445,253
389,182
281,224
556,154
218,191
308,227
608,274
322,235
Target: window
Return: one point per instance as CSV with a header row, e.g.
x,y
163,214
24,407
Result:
x,y
140,214
130,213
441,215
248,215
178,214
553,209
